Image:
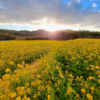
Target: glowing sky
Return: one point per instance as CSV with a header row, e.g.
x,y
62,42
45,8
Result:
x,y
50,14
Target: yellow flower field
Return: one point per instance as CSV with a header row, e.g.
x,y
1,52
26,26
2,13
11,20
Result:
x,y
50,70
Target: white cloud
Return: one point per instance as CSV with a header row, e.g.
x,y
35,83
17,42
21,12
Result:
x,y
78,1
94,5
69,3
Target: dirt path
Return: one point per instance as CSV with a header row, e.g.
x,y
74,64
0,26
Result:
x,y
36,65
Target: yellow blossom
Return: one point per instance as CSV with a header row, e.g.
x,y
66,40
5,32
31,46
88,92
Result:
x,y
20,65
20,90
92,89
12,94
69,90
11,63
18,98
28,90
99,81
89,96
83,90
6,77
48,97
7,70
26,98
90,78
35,96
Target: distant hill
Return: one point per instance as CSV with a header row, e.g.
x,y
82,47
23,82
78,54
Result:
x,y
45,35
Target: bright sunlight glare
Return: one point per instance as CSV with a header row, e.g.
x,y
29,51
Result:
x,y
51,27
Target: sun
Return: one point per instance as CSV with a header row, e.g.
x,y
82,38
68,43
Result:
x,y
51,27
48,25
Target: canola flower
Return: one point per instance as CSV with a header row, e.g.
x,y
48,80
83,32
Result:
x,y
50,70
7,70
18,98
89,96
83,91
69,90
20,90
12,95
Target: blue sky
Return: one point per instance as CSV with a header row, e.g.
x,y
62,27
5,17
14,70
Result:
x,y
30,14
